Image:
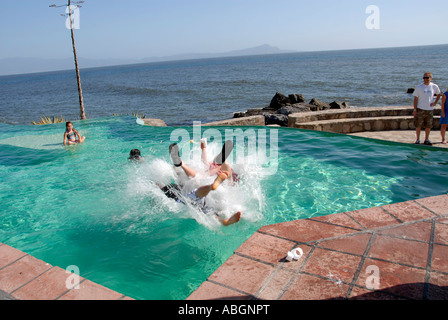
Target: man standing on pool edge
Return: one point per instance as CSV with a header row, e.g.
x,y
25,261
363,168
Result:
x,y
424,106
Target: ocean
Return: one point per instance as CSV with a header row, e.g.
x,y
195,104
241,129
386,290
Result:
x,y
180,92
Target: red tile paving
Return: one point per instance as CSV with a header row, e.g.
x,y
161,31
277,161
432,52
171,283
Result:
x,y
23,277
394,252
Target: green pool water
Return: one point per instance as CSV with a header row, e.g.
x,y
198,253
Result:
x,y
88,206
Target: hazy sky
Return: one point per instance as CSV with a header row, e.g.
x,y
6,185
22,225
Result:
x,y
144,28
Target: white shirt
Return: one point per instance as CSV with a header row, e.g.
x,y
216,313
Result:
x,y
425,95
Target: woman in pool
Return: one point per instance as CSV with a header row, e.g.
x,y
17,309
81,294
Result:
x,y
444,117
70,135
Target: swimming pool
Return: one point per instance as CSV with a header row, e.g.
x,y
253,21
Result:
x,y
88,206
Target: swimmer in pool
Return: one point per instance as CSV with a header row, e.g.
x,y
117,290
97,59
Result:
x,y
218,165
197,196
70,135
135,155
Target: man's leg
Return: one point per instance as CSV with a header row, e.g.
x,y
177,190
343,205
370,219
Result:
x,y
233,219
427,131
177,161
204,152
428,126
203,191
418,122
188,171
225,152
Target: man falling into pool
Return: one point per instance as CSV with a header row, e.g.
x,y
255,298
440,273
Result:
x,y
197,197
219,166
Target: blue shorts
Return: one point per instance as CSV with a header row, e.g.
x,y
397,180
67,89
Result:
x,y
198,202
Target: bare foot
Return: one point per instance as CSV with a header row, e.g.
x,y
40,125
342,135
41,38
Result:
x,y
233,219
219,179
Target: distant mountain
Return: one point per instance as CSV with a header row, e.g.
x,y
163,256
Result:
x,y
259,50
9,66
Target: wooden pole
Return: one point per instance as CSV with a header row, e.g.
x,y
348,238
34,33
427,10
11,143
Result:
x,y
78,78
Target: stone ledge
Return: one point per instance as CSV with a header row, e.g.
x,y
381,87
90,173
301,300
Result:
x,y
154,122
364,124
354,112
359,119
245,121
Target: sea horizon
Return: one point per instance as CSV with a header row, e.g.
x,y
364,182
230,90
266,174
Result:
x,y
211,89
169,59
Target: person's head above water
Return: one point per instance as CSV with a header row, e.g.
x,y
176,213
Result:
x,y
135,154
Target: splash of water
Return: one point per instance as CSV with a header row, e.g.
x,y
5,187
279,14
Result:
x,y
146,180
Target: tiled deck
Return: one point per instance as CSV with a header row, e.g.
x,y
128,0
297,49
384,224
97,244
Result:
x,y
405,245
23,277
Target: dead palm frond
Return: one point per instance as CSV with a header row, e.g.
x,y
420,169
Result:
x,y
47,120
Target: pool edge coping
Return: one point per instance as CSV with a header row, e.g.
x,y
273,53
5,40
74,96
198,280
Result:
x,y
29,278
274,278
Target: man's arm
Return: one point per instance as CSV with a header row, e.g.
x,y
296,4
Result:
x,y
415,105
437,100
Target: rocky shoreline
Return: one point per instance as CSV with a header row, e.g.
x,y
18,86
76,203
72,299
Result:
x,y
281,106
293,111
276,113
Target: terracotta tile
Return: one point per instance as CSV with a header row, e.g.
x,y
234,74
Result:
x,y
242,274
404,281
340,219
274,288
408,211
211,291
91,291
9,254
305,230
373,218
306,287
440,258
442,220
399,250
441,233
48,286
438,204
265,247
416,231
356,244
21,272
333,265
438,288
366,294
